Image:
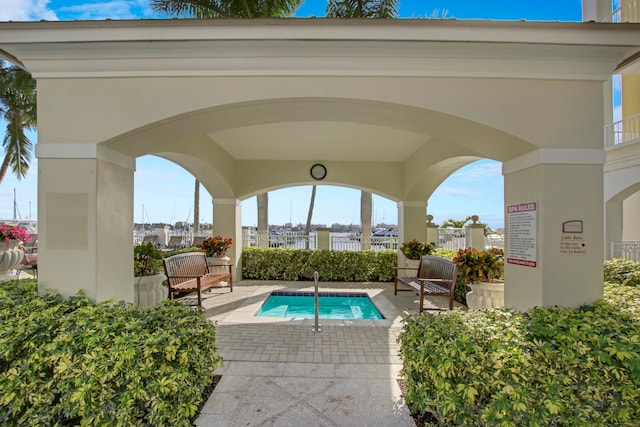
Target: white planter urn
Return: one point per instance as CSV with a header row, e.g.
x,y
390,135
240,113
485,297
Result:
x,y
10,257
149,290
485,295
411,263
214,261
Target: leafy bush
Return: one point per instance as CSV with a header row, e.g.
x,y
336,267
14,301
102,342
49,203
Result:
x,y
147,260
546,366
622,271
414,249
70,362
334,266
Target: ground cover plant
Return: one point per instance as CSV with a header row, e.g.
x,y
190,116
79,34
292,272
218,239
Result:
x,y
72,362
546,366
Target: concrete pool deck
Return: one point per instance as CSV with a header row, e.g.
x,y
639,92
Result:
x,y
277,372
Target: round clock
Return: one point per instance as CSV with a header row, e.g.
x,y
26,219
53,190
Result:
x,y
318,171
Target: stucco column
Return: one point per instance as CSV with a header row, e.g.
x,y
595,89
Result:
x,y
85,221
562,190
227,222
411,223
432,232
613,225
324,238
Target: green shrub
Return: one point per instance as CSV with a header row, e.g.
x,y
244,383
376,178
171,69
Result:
x,y
332,266
70,362
622,271
546,366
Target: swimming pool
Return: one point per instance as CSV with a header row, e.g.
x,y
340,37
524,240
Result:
x,y
333,305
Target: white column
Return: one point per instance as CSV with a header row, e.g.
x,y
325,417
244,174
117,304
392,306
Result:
x,y
613,225
411,223
567,187
85,221
474,234
227,222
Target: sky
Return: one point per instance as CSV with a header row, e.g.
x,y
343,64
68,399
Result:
x,y
163,191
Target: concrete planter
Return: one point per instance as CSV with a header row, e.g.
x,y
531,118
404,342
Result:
x,y
10,257
485,295
215,261
149,290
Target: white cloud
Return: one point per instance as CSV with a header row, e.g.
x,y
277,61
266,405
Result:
x,y
486,169
26,10
115,9
457,192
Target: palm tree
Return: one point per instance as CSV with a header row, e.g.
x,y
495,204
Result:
x,y
455,223
18,108
226,9
362,9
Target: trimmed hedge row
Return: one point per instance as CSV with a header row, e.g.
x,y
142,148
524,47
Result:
x,y
546,366
70,362
332,266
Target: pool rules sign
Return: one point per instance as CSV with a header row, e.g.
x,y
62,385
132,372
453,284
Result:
x,y
522,243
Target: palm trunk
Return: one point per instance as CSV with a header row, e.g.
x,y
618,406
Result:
x,y
262,239
196,208
310,214
366,204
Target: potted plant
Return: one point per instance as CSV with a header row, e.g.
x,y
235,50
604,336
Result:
x,y
148,271
413,250
480,271
11,251
216,249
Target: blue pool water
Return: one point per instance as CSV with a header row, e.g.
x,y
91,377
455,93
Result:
x,y
333,305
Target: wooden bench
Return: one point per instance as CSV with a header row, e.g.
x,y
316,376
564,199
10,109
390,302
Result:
x,y
434,276
189,272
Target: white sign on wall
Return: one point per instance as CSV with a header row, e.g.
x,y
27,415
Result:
x,y
522,243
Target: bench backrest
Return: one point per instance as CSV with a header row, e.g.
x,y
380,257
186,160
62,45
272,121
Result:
x,y
433,267
182,267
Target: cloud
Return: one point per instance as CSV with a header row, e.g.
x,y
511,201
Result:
x,y
116,9
457,192
481,170
26,10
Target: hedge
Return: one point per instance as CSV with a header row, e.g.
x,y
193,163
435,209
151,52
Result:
x,y
332,266
545,366
71,362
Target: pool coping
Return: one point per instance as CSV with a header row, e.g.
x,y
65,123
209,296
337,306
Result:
x,y
246,312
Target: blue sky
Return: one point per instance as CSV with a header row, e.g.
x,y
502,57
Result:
x,y
166,190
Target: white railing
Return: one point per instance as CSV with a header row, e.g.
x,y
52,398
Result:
x,y
629,250
452,238
337,241
623,131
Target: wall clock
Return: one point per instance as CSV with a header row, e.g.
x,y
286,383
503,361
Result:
x,y
318,171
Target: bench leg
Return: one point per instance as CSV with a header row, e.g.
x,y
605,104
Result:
x,y
421,297
199,293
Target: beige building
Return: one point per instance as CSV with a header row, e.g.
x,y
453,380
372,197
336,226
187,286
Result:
x,y
391,107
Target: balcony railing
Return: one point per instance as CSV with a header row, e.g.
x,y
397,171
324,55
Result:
x,y
629,11
629,250
623,131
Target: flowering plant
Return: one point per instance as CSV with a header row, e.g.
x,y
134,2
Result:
x,y
216,246
10,232
414,249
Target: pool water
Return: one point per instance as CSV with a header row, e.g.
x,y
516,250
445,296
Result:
x,y
333,305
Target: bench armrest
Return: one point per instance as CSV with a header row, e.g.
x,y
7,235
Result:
x,y
405,268
435,280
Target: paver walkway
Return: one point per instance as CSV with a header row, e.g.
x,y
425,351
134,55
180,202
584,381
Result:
x,y
280,373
